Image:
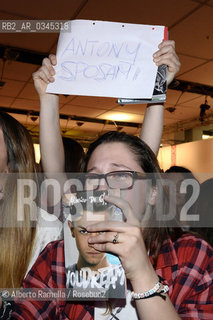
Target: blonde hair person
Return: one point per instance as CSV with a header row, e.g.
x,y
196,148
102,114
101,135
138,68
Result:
x,y
17,157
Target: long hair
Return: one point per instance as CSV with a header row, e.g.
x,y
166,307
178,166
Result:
x,y
74,155
153,237
16,237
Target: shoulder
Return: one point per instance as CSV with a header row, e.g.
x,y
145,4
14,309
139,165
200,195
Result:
x,y
48,229
52,255
49,224
187,251
191,248
48,270
187,266
54,251
191,239
54,245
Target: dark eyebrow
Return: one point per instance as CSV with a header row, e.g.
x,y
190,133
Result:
x,y
81,227
93,168
121,165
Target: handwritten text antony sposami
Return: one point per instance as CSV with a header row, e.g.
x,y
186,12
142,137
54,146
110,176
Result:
x,y
107,60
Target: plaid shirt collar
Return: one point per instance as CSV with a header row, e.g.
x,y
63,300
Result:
x,y
167,256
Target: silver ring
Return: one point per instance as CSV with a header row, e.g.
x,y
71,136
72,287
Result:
x,y
115,239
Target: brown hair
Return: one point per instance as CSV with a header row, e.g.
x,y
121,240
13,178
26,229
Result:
x,y
146,158
16,237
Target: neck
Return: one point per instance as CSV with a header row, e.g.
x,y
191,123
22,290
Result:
x,y
94,267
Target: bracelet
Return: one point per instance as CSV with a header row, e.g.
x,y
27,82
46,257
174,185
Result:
x,y
144,294
152,292
160,293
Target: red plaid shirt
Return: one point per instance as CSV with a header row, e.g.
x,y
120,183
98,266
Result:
x,y
186,265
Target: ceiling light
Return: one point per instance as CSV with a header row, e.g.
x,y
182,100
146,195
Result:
x,y
119,117
206,136
37,152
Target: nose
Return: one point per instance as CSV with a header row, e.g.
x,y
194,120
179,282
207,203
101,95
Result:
x,y
102,185
91,235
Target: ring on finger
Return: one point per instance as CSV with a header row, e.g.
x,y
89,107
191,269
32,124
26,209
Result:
x,y
115,239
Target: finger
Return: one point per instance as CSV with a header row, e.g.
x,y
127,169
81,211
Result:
x,y
40,74
47,72
43,74
169,59
48,65
107,237
165,43
53,59
163,50
109,247
116,226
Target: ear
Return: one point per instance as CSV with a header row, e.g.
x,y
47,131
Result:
x,y
71,228
153,196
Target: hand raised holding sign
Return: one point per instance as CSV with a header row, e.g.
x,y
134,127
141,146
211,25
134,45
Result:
x,y
167,55
45,74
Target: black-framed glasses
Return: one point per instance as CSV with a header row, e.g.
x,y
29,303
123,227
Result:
x,y
115,180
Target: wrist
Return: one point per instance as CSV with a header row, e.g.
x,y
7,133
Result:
x,y
49,97
49,104
159,289
144,280
144,284
155,104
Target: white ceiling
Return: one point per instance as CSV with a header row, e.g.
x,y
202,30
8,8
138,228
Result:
x,y
190,24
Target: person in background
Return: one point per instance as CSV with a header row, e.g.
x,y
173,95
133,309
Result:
x,y
17,156
49,224
74,155
21,241
205,210
16,237
180,175
72,167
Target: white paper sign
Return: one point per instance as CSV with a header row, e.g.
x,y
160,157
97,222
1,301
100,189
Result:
x,y
109,59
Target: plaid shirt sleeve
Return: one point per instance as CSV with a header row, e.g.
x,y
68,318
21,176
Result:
x,y
187,265
49,272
